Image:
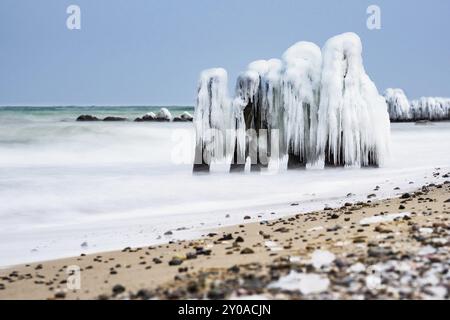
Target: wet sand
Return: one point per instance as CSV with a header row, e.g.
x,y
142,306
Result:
x,y
396,248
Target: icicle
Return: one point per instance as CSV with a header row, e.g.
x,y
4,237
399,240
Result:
x,y
212,118
300,90
353,125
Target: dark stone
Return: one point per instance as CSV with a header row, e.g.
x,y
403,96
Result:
x,y
175,262
247,251
379,252
191,255
118,289
87,117
114,119
282,230
406,196
145,118
234,269
60,295
226,237
157,261
216,294
144,294
192,287
239,239
401,207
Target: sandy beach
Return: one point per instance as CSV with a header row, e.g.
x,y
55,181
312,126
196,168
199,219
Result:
x,y
395,248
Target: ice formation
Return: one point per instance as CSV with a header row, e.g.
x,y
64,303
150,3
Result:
x,y
353,125
322,104
300,91
212,117
425,108
256,98
398,105
430,108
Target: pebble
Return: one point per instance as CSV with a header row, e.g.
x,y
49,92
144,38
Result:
x,y
175,262
247,251
118,289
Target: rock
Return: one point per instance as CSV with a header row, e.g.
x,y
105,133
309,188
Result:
x,y
216,294
379,252
192,287
247,251
114,119
191,255
234,269
402,207
168,233
175,262
118,289
247,218
405,196
334,216
203,252
144,294
184,117
282,230
226,237
60,295
84,244
447,201
164,115
334,229
87,117
239,239
381,229
157,260
147,117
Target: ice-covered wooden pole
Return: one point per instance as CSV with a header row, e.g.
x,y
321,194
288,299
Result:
x,y
353,123
244,106
300,91
212,118
399,108
257,97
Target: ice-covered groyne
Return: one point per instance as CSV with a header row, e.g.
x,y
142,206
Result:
x,y
353,125
212,118
426,108
313,107
399,108
431,108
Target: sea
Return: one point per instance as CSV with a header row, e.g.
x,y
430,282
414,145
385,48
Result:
x,y
69,187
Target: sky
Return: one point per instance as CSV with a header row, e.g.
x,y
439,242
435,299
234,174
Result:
x,y
148,52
